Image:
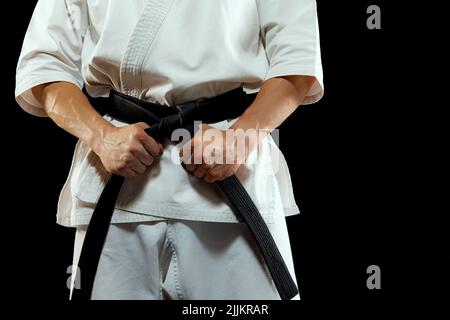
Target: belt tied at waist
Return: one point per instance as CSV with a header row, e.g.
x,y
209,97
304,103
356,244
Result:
x,y
163,121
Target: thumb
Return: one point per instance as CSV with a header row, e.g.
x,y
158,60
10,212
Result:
x,y
143,125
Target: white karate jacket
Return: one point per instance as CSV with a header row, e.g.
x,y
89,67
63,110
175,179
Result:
x,y
170,52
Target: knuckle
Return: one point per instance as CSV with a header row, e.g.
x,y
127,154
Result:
x,y
137,130
142,125
136,136
198,173
121,166
133,149
209,179
215,175
207,167
140,170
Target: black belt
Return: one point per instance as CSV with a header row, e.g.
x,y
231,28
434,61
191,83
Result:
x,y
163,121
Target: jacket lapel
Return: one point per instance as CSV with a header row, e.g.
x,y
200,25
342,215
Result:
x,y
140,42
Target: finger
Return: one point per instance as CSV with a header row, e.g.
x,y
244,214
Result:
x,y
190,167
188,162
153,148
151,145
200,172
184,167
209,162
144,157
127,173
219,172
209,167
209,178
196,149
143,125
212,175
138,167
185,152
230,171
224,173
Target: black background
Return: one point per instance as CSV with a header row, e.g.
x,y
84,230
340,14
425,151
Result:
x,y
351,159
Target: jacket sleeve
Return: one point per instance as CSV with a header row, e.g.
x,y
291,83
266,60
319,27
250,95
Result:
x,y
51,49
290,32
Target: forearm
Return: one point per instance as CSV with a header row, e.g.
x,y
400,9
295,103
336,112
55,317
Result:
x,y
277,100
69,108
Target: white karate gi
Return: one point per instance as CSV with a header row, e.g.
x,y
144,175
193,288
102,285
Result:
x,y
170,52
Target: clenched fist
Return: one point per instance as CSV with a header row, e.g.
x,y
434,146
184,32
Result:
x,y
127,151
214,155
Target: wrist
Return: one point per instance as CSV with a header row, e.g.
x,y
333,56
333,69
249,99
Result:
x,y
96,137
251,131
245,123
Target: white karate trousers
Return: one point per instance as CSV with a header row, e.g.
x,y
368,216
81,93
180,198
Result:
x,y
181,259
